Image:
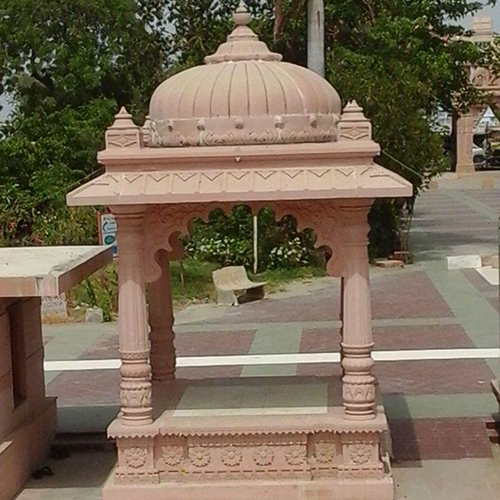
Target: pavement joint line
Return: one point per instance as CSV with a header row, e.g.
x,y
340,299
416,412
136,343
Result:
x,y
376,323
283,359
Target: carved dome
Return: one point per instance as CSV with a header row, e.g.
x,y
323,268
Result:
x,y
244,94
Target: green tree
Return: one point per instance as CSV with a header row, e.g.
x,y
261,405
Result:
x,y
68,66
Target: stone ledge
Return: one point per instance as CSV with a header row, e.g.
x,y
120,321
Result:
x,y
374,489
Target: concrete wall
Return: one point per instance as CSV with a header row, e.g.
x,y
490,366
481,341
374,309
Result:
x,y
27,418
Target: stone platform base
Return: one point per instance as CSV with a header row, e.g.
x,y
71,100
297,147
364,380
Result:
x,y
238,439
23,450
259,490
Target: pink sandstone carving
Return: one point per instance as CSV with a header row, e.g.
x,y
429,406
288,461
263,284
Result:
x,y
212,141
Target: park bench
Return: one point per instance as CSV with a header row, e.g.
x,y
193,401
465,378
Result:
x,y
232,279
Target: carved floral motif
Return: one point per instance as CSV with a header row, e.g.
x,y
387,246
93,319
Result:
x,y
231,456
172,455
200,456
295,454
136,457
263,455
360,453
325,452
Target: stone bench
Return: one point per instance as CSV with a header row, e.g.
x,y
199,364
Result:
x,y
232,279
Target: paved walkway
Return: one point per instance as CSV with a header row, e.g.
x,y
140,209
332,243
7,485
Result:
x,y
437,332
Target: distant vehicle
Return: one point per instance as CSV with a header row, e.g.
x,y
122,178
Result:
x,y
479,157
486,149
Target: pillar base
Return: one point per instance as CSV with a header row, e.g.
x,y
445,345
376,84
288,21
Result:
x,y
241,439
465,170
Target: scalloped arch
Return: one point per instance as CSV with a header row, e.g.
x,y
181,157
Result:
x,y
161,222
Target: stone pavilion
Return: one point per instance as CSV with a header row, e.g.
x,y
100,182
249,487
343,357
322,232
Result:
x,y
244,128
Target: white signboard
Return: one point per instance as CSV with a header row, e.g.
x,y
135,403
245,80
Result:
x,y
107,231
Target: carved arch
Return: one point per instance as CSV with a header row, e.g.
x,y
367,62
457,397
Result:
x,y
163,222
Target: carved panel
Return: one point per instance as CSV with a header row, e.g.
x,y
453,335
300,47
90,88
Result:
x,y
361,456
172,455
231,456
135,457
325,452
295,454
136,461
200,456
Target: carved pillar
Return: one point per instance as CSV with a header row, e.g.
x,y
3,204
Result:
x,y
358,383
161,320
465,135
135,386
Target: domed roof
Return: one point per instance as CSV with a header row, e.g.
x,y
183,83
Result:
x,y
244,94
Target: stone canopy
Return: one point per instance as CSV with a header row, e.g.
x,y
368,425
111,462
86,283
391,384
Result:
x,y
244,127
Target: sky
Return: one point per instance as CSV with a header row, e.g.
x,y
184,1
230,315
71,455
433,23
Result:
x,y
493,12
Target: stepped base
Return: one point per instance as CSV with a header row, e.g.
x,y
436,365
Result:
x,y
239,439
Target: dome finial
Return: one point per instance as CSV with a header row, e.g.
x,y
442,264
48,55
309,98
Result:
x,y
242,17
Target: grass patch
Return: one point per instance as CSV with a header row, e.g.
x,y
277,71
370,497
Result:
x,y
192,281
278,278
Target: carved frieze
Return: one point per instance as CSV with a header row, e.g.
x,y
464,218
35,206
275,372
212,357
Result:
x,y
282,455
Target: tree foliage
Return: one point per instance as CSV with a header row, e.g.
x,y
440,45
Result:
x,y
69,65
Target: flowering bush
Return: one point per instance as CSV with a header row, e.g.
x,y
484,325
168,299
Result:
x,y
228,239
290,253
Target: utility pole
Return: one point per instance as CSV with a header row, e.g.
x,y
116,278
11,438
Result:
x,y
316,36
255,244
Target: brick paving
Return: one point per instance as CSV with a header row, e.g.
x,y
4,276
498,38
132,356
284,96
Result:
x,y
470,376
440,438
186,344
391,338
